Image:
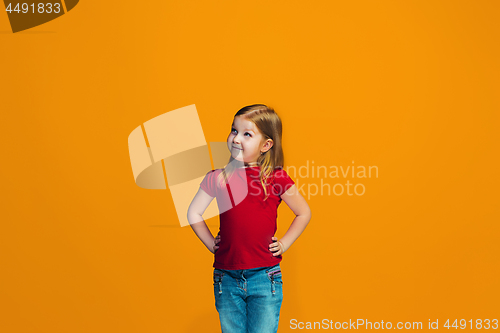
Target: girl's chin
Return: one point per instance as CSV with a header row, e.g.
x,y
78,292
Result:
x,y
236,153
238,157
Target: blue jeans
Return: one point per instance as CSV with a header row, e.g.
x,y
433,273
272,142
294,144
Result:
x,y
248,300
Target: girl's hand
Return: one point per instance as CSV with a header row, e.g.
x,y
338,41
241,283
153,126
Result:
x,y
276,247
216,241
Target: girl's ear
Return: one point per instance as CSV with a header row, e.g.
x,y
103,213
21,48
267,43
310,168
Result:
x,y
268,144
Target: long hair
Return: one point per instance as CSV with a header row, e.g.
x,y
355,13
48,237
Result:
x,y
269,124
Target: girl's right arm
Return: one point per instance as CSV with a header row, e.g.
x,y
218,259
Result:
x,y
194,215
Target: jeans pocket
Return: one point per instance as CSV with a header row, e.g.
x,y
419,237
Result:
x,y
275,277
274,274
217,278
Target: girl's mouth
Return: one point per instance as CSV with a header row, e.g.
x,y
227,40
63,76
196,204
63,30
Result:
x,y
237,148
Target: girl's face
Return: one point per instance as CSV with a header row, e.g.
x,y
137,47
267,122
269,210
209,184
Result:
x,y
245,142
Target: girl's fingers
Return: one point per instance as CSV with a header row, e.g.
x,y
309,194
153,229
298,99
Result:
x,y
275,247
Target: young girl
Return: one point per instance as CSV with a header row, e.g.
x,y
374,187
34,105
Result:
x,y
247,276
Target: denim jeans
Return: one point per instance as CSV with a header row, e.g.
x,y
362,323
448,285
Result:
x,y
248,300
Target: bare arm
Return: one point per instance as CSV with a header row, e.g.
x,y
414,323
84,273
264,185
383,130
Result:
x,y
301,209
194,215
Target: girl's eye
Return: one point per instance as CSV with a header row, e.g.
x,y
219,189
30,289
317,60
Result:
x,y
234,130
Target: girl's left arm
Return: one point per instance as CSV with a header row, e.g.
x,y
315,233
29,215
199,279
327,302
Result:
x,y
301,209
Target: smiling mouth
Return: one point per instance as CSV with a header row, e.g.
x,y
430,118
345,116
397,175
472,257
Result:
x,y
237,148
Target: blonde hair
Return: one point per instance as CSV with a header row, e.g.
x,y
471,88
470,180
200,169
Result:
x,y
269,125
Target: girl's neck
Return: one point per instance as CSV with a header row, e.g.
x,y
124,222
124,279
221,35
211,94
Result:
x,y
241,165
251,164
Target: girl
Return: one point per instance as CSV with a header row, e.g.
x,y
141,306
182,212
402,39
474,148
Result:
x,y
247,276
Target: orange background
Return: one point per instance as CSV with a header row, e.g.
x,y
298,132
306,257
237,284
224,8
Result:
x,y
411,87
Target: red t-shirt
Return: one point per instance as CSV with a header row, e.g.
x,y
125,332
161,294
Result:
x,y
247,222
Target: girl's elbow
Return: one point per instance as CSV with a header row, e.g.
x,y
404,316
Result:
x,y
307,214
193,216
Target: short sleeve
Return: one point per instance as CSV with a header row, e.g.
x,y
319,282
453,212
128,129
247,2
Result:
x,y
282,182
208,183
